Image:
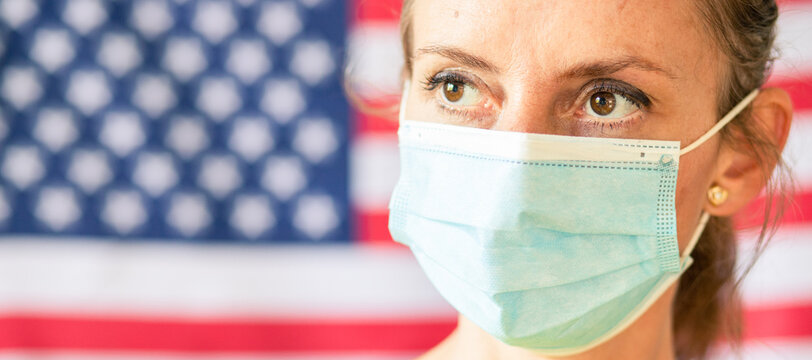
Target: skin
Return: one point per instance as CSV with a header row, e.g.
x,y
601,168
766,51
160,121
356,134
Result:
x,y
540,55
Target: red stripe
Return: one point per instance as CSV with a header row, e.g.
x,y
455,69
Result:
x,y
370,124
373,227
791,321
376,10
104,333
797,211
85,333
793,2
799,88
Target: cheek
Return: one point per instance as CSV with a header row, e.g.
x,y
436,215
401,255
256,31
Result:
x,y
416,109
693,179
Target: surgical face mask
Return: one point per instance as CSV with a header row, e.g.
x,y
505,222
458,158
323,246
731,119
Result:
x,y
547,242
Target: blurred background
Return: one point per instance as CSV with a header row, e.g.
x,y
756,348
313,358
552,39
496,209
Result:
x,y
185,179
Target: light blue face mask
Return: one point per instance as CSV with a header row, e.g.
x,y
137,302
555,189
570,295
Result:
x,y
553,243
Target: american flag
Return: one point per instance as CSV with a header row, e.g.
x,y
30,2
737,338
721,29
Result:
x,y
184,179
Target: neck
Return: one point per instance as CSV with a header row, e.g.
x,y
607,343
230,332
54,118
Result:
x,y
650,337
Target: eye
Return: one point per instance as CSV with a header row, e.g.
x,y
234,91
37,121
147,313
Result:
x,y
607,105
460,93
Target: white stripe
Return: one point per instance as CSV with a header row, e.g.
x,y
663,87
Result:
x,y
374,170
98,355
769,350
783,273
794,27
226,281
798,151
252,282
375,58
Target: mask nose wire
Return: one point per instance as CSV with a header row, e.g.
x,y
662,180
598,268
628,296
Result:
x,y
719,125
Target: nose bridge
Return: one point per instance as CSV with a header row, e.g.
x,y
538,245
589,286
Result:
x,y
527,108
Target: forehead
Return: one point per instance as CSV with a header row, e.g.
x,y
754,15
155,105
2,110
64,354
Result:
x,y
547,35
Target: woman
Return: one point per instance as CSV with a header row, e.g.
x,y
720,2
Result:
x,y
560,161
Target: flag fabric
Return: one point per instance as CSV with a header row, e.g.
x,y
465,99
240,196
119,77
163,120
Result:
x,y
185,180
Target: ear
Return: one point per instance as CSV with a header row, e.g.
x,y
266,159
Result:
x,y
738,169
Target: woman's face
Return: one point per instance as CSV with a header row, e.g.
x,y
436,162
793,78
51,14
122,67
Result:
x,y
639,69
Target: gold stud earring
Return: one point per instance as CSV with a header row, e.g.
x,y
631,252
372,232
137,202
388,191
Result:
x,y
717,195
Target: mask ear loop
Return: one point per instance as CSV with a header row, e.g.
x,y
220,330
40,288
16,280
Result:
x,y
703,221
719,125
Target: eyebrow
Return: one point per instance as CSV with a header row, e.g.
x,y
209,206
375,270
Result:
x,y
611,66
591,69
459,56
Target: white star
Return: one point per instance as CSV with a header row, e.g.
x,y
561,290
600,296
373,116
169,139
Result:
x,y
151,17
248,59
184,58
279,21
123,211
315,139
187,136
252,215
315,215
119,53
122,132
284,176
55,128
21,86
57,207
312,61
88,90
251,137
154,94
22,165
218,97
283,100
17,12
219,175
155,173
84,15
214,19
52,48
89,170
188,213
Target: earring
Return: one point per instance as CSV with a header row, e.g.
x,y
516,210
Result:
x,y
717,195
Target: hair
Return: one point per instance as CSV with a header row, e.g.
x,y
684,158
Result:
x,y
707,306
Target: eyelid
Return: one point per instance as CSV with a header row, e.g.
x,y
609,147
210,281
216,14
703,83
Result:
x,y
432,81
618,87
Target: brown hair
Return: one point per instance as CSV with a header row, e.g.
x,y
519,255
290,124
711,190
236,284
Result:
x,y
707,304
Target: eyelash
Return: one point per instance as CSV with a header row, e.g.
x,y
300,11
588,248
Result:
x,y
431,82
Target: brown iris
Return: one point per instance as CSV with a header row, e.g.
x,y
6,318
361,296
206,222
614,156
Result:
x,y
453,91
602,103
